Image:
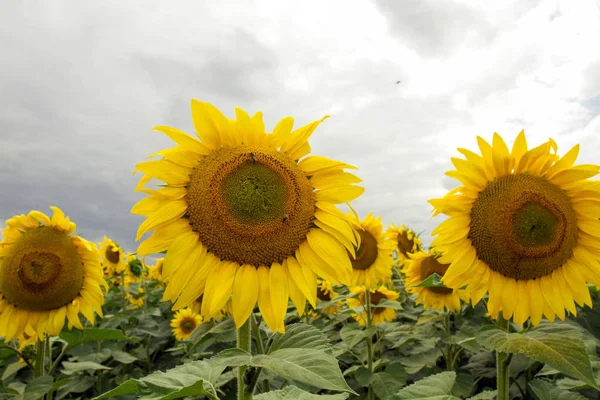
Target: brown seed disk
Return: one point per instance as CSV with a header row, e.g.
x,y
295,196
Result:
x,y
431,265
523,226
366,254
405,245
112,254
376,298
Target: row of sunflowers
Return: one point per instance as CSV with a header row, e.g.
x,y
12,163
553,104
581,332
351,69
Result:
x,y
248,220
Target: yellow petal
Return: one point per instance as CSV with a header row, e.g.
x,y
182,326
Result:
x,y
209,122
183,139
300,281
577,173
218,288
318,164
565,162
278,285
331,251
519,148
163,236
264,298
166,171
509,297
299,136
168,212
296,295
536,300
245,293
339,194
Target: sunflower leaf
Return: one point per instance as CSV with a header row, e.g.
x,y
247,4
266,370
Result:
x,y
294,393
433,280
545,390
76,337
434,387
300,336
38,387
558,345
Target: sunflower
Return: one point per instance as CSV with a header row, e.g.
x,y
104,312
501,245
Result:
x,y
47,275
523,227
326,293
155,271
184,322
112,257
372,261
134,270
380,314
407,242
244,214
136,299
420,267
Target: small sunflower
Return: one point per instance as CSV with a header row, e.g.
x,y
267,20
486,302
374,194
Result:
x,y
184,322
155,271
421,266
380,314
407,242
326,293
136,299
135,269
47,275
112,257
523,227
372,261
246,214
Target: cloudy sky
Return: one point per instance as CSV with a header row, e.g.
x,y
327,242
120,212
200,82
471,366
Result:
x,y
83,83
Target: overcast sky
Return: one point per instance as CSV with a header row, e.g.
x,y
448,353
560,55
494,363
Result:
x,y
83,83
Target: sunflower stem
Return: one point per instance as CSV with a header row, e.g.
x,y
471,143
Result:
x,y
39,358
449,355
243,343
502,365
368,324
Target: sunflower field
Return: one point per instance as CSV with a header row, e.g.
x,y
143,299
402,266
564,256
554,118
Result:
x,y
255,278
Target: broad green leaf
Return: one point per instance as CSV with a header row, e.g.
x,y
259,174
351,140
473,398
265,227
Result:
x,y
430,316
388,382
352,334
434,387
75,337
294,393
433,280
335,301
300,336
558,345
385,303
363,376
223,331
38,387
12,369
124,358
463,385
544,390
485,395
70,368
128,387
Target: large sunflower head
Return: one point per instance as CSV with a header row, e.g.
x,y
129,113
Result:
x,y
420,267
112,257
46,275
184,322
523,227
245,213
372,257
407,242
380,314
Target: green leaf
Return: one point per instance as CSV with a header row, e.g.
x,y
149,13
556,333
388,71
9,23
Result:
x,y
293,393
123,358
352,334
301,336
485,395
558,345
70,368
76,337
388,382
385,303
128,387
434,387
433,280
12,369
38,387
544,390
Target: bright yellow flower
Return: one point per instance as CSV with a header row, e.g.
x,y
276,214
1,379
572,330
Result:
x,y
155,271
420,267
380,314
47,275
112,257
196,307
246,214
136,300
184,322
523,227
372,263
407,242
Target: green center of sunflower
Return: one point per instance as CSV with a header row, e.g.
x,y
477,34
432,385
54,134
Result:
x,y
42,270
431,265
250,205
523,226
112,254
405,245
376,298
188,325
366,253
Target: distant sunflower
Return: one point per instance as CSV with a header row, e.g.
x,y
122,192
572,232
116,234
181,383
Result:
x,y
421,266
523,227
240,216
380,314
372,260
196,307
326,293
184,322
136,299
155,271
47,275
407,242
112,257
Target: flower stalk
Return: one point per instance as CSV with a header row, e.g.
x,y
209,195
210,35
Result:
x,y
243,343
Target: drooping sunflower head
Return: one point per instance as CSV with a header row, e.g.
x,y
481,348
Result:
x,y
246,214
372,257
380,314
184,322
407,242
112,257
326,293
420,267
47,274
523,227
135,268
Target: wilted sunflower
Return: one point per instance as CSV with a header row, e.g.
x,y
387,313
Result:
x,y
523,227
240,216
380,314
420,267
47,275
372,261
184,322
407,242
112,257
326,293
